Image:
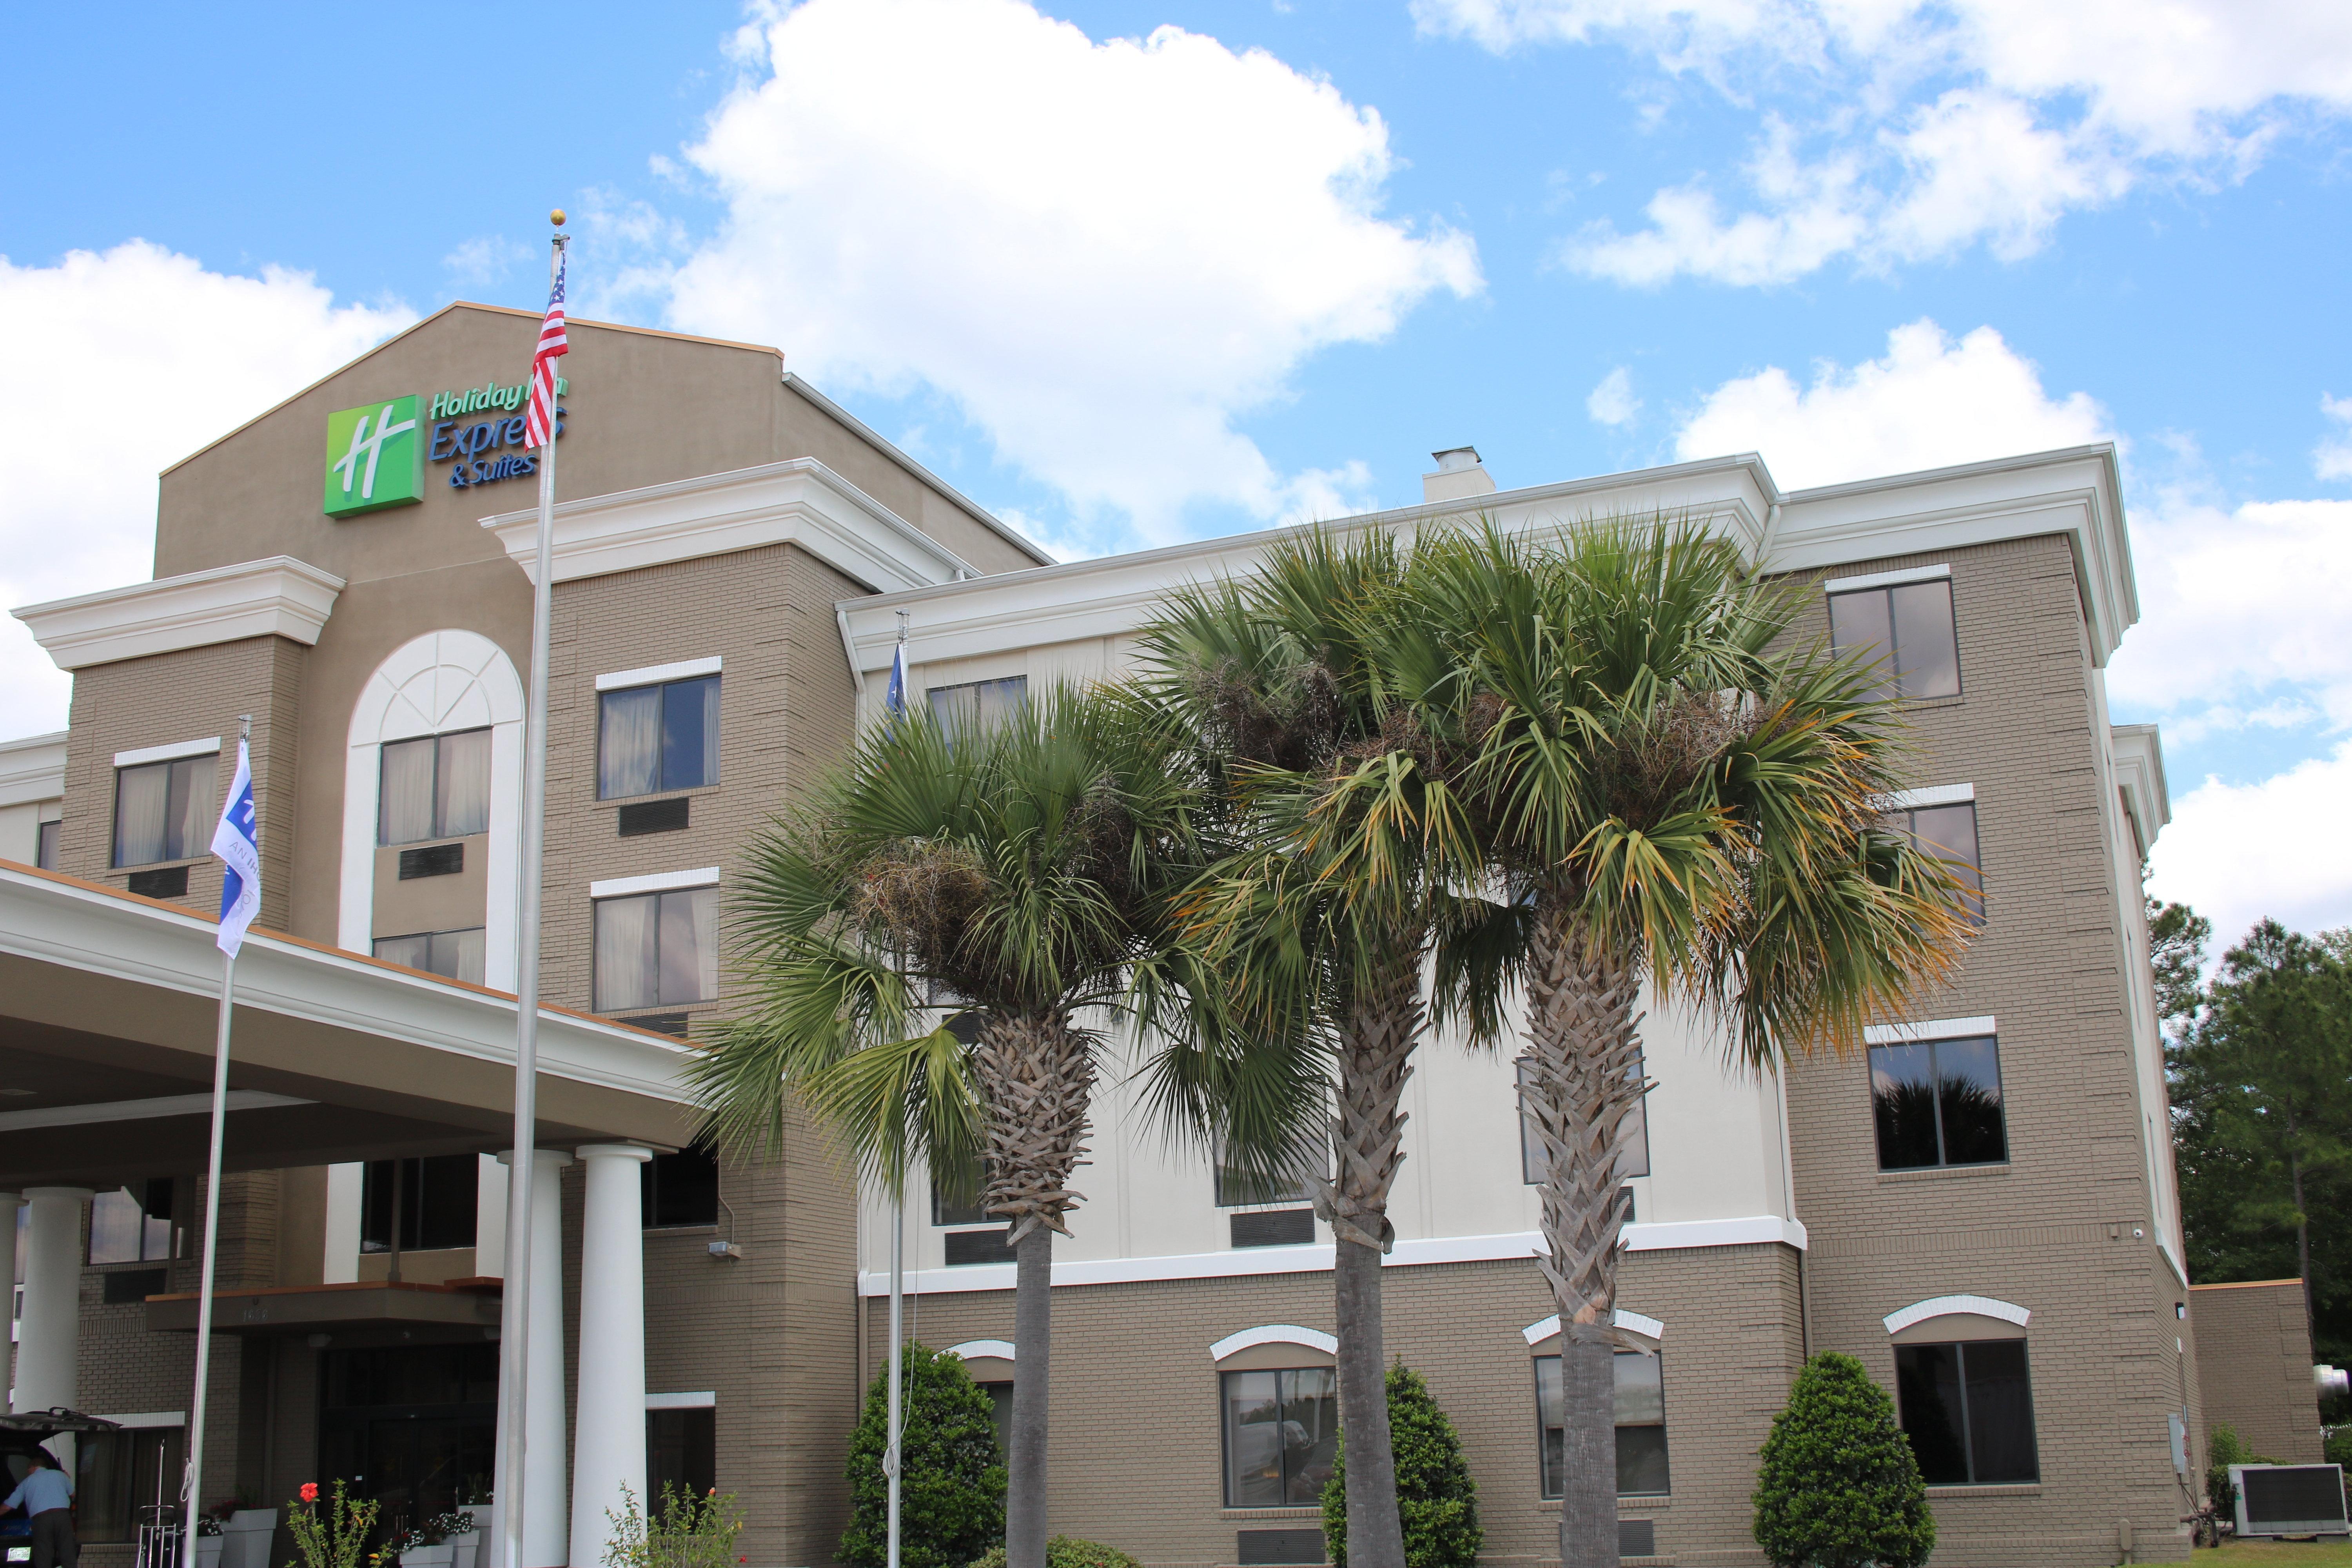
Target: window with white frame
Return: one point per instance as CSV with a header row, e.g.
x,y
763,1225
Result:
x,y
164,810
1938,1102
1905,628
433,786
1281,1435
452,955
1948,832
657,950
1967,1409
655,738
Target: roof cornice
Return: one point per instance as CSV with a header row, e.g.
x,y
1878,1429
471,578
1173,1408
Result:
x,y
278,597
33,769
2139,773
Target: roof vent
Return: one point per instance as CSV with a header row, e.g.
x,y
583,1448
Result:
x,y
1460,474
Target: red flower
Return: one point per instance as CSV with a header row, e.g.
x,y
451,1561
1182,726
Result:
x,y
310,1491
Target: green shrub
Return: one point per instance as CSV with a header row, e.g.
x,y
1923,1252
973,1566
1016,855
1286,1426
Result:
x,y
1839,1487
951,1485
1437,1502
684,1531
2222,1450
1063,1551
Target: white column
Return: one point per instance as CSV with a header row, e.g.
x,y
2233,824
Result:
x,y
547,1512
10,1203
48,1346
609,1444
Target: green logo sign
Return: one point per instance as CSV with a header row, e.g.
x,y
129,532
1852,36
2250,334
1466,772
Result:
x,y
375,457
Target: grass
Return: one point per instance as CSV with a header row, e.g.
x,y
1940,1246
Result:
x,y
2260,1553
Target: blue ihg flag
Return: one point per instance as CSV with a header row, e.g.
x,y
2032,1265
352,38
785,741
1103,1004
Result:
x,y
238,845
895,699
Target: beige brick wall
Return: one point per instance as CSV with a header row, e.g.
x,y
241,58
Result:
x,y
2254,1360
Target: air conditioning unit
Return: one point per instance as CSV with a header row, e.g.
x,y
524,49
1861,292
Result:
x,y
2290,1500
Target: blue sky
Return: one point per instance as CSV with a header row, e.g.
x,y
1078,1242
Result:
x,y
1260,266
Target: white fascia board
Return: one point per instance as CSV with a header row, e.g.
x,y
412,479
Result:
x,y
705,1399
1749,1231
207,747
2139,769
33,769
1273,1334
1950,1306
653,882
278,596
800,502
1932,1029
1894,579
143,1110
1933,794
2076,492
54,920
655,674
1112,595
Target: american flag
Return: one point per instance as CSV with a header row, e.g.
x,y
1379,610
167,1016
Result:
x,y
539,422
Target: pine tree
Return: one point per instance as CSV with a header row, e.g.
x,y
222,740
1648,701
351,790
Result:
x,y
951,1485
1839,1487
1437,1502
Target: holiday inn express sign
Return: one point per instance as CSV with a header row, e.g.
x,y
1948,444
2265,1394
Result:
x,y
376,454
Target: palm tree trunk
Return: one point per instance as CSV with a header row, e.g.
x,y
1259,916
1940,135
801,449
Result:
x,y
1037,1076
1375,1060
1583,1055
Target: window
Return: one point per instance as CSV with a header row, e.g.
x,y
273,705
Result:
x,y
164,811
977,704
1948,833
1636,1128
679,1189
1282,1433
45,848
1000,1400
1640,1425
1937,1102
118,1476
436,786
1237,1189
1968,1412
655,738
1907,630
682,1451
657,950
946,1211
452,955
132,1224
433,1198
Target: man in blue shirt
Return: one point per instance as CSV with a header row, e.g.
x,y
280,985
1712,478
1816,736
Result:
x,y
46,1494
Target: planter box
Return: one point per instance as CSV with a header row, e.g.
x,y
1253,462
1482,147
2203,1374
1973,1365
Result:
x,y
247,1538
468,1547
441,1556
208,1551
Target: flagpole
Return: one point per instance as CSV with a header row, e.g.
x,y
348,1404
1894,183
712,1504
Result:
x,y
192,1484
895,698
514,1332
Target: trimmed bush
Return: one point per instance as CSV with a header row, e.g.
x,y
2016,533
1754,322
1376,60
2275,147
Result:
x,y
1437,1502
1839,1487
1063,1552
951,1487
2226,1449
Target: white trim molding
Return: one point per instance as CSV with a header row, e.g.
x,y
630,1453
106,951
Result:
x,y
1273,1334
1754,1230
1951,1305
278,597
653,882
33,769
972,1350
1933,794
1932,1029
1640,1323
1894,579
148,1418
704,1400
2139,773
800,502
655,674
207,747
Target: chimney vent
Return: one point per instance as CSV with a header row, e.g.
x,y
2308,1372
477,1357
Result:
x,y
1460,476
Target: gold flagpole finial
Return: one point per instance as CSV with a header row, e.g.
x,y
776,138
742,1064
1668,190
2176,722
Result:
x,y
556,218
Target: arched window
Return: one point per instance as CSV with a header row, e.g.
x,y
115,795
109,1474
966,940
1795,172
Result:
x,y
1965,1387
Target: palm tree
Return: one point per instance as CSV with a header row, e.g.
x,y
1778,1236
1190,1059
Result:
x,y
1298,686
1673,790
1019,876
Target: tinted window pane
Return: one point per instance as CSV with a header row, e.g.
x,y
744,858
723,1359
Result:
x,y
681,1188
681,1452
1310,1427
404,806
689,946
462,793
1860,623
459,954
1967,1083
2001,1413
1641,1422
628,742
690,733
193,807
142,797
1950,833
1642,1459
1928,653
625,973
413,952
1902,1097
1253,1439
1549,1423
977,704
45,852
1927,1391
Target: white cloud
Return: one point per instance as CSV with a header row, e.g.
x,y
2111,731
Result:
x,y
118,363
1928,126
1929,403
2332,459
2239,852
1103,252
483,260
1613,402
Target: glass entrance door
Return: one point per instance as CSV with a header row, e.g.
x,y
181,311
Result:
x,y
412,1427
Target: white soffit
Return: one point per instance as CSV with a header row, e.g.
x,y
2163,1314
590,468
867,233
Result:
x,y
705,1399
1894,579
278,597
1273,1334
972,1350
33,769
655,674
799,503
1933,1029
1933,794
143,1110
653,882
209,746
1950,1306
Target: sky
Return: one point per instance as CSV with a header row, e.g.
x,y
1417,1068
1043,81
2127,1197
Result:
x,y
1130,274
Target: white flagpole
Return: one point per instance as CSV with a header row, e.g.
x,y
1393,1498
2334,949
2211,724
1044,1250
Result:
x,y
191,1483
514,1332
891,1454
